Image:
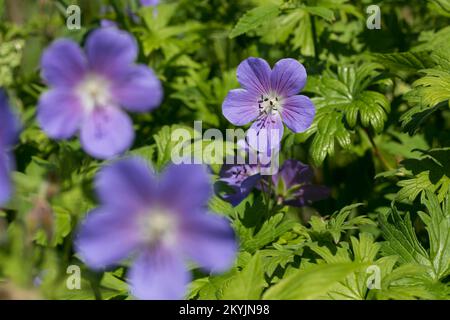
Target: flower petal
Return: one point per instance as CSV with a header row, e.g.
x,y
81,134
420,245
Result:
x,y
5,180
159,274
186,187
111,51
240,106
241,192
265,134
63,64
138,89
107,236
293,173
59,113
308,194
210,241
147,3
127,182
298,113
106,132
288,77
254,75
9,128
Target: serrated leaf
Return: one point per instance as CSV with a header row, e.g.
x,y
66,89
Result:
x,y
310,283
410,61
430,92
343,103
249,283
254,18
401,239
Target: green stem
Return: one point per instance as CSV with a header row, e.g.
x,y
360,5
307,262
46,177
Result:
x,y
378,154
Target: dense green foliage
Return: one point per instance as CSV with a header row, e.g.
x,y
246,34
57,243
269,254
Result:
x,y
380,140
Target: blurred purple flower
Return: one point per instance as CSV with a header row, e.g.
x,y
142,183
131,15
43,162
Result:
x,y
148,3
89,89
9,131
269,98
106,23
158,223
293,185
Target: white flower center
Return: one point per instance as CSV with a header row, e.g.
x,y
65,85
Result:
x,y
269,105
94,91
158,226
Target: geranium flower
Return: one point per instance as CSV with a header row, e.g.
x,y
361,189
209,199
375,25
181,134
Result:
x,y
242,178
149,3
89,90
9,130
158,224
293,185
269,98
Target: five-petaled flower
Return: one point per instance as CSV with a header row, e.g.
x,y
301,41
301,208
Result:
x,y
269,98
9,129
158,223
88,91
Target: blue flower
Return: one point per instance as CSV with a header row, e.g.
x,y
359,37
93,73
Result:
x,y
293,185
158,223
9,130
89,91
268,98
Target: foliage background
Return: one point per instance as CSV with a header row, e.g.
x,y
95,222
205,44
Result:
x,y
380,140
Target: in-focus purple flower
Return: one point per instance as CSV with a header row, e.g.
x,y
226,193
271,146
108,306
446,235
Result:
x,y
159,223
89,89
241,179
269,97
9,129
293,185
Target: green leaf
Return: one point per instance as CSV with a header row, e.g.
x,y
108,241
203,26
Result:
x,y
249,283
254,18
429,171
311,283
254,236
343,103
430,92
401,62
437,222
401,239
324,13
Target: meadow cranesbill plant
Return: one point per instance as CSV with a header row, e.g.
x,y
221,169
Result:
x,y
9,129
88,91
293,185
241,178
158,223
269,98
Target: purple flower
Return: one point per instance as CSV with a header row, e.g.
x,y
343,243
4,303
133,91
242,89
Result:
x,y
241,179
293,185
158,223
90,89
106,23
149,3
9,130
269,98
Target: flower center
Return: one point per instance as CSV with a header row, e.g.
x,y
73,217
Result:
x,y
269,105
94,91
158,226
